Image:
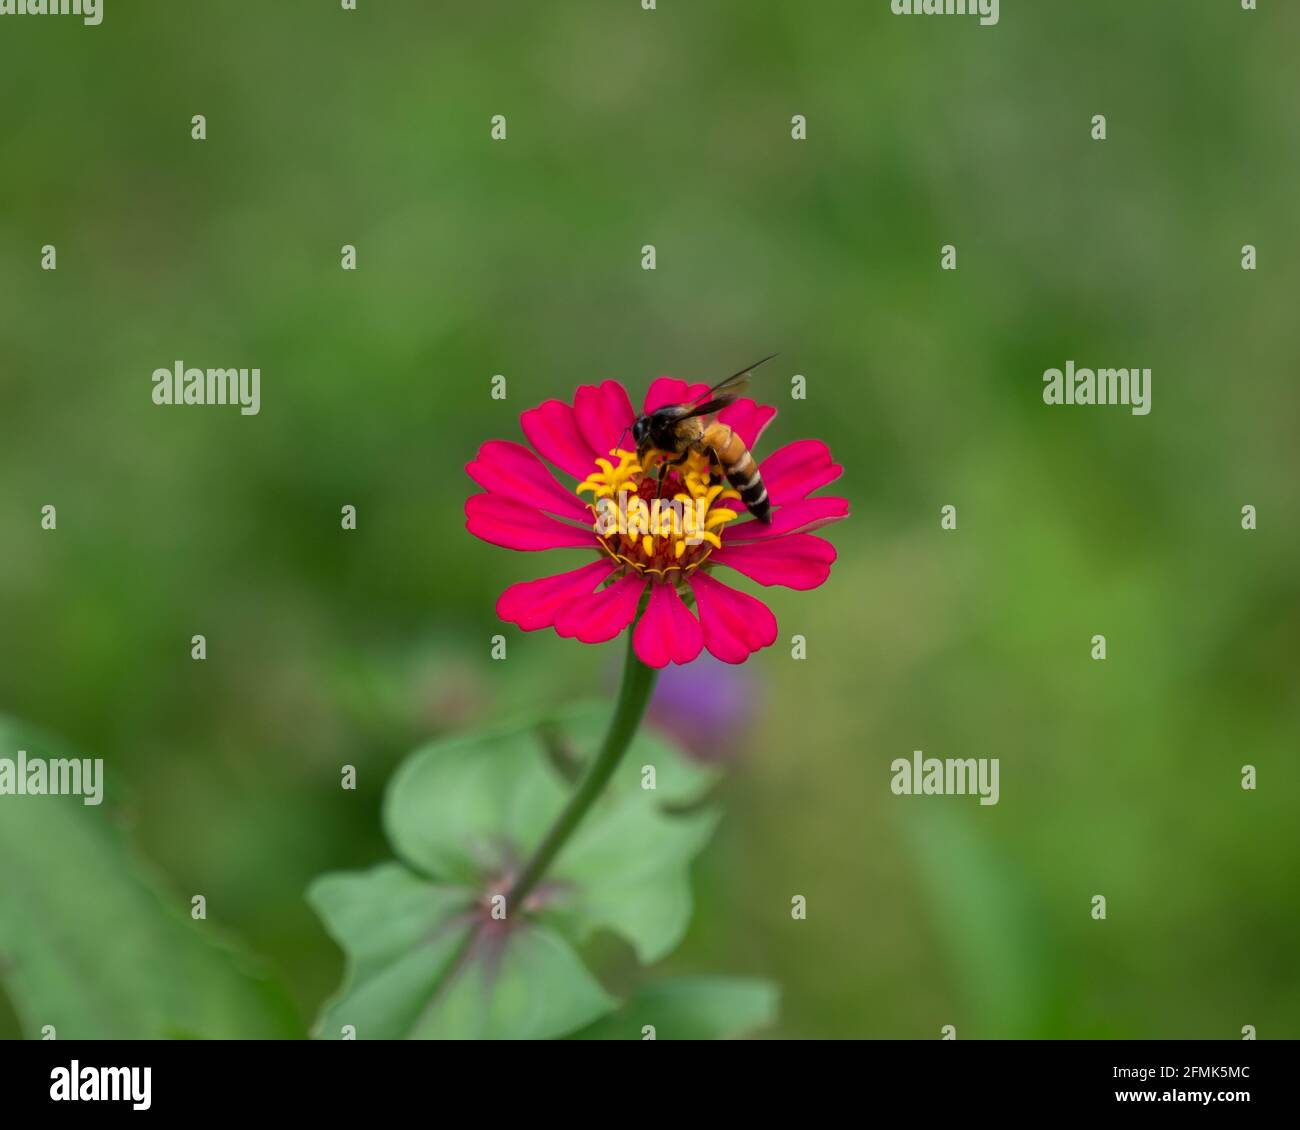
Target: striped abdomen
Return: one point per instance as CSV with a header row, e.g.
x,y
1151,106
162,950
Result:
x,y
739,467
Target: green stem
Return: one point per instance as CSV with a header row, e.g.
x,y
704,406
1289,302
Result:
x,y
633,697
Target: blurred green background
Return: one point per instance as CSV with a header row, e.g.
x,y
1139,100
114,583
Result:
x,y
522,258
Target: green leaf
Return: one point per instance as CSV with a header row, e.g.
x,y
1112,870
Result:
x,y
90,944
427,963
679,781
690,1008
470,809
425,957
464,808
528,985
626,870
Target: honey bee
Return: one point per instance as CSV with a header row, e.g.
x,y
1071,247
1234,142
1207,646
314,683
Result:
x,y
675,430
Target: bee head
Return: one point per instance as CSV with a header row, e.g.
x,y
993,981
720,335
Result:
x,y
641,430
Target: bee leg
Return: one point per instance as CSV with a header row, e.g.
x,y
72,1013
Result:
x,y
663,470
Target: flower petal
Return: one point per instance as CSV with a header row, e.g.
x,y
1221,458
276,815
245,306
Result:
x,y
791,473
793,518
601,616
747,419
535,604
552,428
515,525
512,470
669,390
800,561
667,632
735,624
604,413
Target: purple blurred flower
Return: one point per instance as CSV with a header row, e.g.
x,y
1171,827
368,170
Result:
x,y
705,707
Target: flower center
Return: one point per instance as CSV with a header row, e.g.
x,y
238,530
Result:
x,y
656,528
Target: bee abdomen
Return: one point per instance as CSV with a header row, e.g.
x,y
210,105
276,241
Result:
x,y
741,470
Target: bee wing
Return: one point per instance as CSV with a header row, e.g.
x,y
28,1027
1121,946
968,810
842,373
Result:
x,y
717,404
730,389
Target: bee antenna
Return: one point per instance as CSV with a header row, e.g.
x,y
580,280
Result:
x,y
749,368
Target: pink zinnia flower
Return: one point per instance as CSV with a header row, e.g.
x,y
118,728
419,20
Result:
x,y
525,508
